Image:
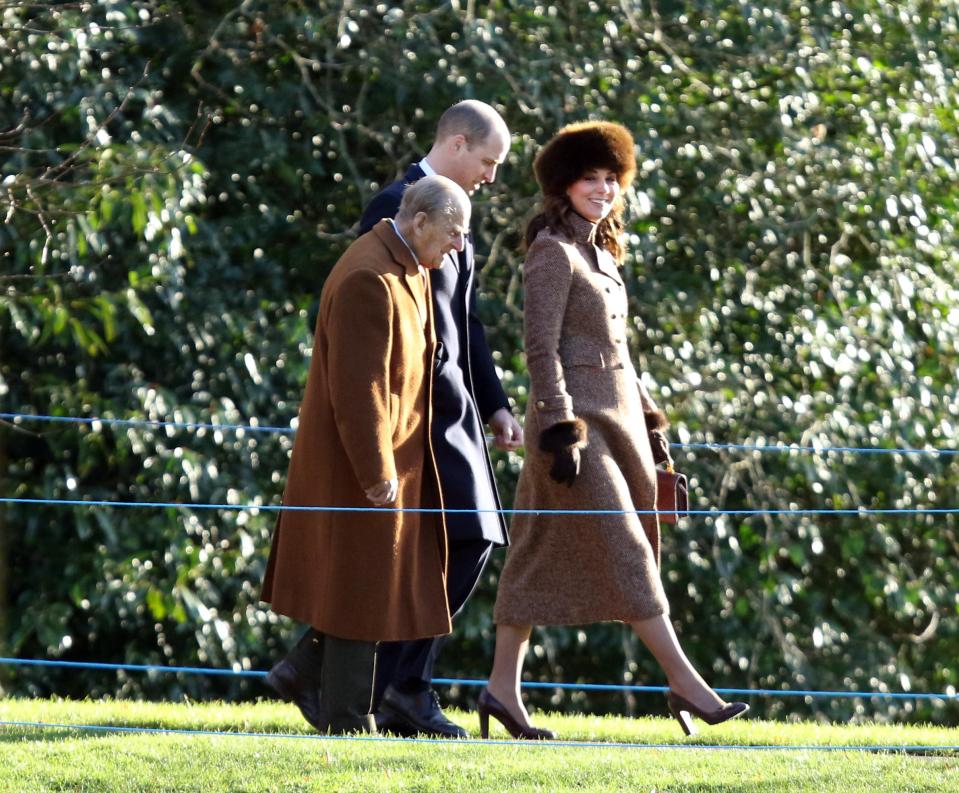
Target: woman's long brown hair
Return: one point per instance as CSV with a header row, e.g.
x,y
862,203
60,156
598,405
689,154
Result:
x,y
555,215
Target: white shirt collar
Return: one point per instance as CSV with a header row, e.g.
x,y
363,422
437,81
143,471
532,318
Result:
x,y
419,266
426,168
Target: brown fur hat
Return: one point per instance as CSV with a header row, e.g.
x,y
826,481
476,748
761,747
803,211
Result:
x,y
578,147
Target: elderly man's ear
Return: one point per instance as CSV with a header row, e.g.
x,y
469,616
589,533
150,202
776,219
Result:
x,y
420,221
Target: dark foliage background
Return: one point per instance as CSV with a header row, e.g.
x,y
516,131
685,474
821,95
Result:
x,y
176,180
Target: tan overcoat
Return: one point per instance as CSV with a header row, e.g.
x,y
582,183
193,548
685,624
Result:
x,y
364,419
573,569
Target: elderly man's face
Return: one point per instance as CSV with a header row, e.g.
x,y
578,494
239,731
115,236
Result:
x,y
434,238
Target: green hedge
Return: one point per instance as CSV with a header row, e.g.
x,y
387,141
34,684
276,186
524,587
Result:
x,y
179,178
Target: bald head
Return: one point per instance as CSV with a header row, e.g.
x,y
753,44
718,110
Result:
x,y
471,143
472,119
434,218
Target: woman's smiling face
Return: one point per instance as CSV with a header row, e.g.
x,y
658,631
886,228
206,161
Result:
x,y
594,193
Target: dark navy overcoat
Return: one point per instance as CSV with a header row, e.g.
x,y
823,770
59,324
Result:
x,y
466,389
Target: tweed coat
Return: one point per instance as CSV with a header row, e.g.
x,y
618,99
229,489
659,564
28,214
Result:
x,y
574,569
466,389
364,419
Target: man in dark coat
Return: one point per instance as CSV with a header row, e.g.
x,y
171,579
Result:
x,y
472,141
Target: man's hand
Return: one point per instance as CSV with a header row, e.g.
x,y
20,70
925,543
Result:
x,y
507,433
384,492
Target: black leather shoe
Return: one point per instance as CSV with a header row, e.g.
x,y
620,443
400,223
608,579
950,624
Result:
x,y
387,724
285,681
417,714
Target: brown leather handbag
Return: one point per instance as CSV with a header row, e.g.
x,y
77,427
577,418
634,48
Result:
x,y
672,494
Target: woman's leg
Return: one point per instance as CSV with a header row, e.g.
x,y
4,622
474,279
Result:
x,y
659,637
504,679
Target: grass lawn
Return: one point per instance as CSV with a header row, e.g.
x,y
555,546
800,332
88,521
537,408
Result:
x,y
628,754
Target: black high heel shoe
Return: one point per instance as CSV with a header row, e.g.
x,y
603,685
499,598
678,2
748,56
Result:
x,y
684,711
488,705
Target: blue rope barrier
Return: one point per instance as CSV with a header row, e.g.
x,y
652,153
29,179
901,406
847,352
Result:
x,y
476,682
180,425
67,502
814,449
188,670
189,425
765,692
904,748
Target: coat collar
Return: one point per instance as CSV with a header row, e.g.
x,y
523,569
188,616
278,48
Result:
x,y
415,279
413,173
398,249
584,233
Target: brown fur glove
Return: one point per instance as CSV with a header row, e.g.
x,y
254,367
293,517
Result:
x,y
564,441
656,426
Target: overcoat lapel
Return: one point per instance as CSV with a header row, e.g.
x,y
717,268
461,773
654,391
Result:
x,y
453,260
417,284
606,265
413,279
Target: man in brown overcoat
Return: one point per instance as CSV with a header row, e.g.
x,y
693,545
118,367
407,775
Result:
x,y
359,577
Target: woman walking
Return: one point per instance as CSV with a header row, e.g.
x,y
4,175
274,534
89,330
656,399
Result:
x,y
594,434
